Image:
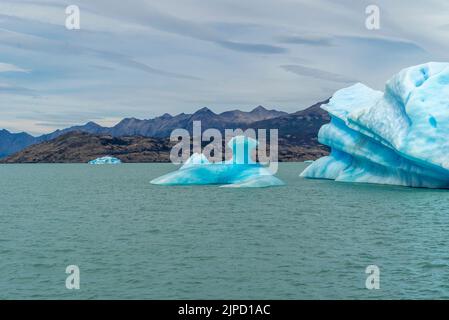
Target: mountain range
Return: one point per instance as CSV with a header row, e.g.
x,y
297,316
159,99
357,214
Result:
x,y
297,129
158,127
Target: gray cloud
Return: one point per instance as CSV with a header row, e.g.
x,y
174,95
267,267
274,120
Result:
x,y
7,89
307,40
151,17
37,43
386,44
7,67
316,73
251,48
329,41
131,63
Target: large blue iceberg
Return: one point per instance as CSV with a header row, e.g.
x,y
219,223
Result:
x,y
105,160
240,171
397,137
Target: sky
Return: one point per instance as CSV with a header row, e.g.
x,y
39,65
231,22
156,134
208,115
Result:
x,y
143,58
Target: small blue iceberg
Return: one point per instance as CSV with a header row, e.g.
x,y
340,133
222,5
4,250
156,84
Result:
x,y
240,171
105,160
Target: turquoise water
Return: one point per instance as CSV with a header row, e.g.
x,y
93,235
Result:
x,y
131,240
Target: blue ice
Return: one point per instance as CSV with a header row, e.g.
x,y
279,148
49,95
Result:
x,y
239,171
397,137
105,160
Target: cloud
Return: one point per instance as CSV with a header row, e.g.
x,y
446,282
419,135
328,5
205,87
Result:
x,y
17,90
329,41
131,63
386,44
149,16
6,67
251,48
318,41
316,73
36,43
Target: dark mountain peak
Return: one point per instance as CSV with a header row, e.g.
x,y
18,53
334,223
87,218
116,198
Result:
x,y
259,109
181,115
245,117
122,128
128,120
92,124
13,142
314,109
5,132
204,110
164,117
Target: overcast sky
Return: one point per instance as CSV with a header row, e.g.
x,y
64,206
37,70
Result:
x,y
142,58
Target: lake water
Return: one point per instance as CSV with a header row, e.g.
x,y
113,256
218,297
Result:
x,y
311,239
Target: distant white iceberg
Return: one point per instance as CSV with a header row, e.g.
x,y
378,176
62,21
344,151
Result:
x,y
399,137
239,172
105,160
